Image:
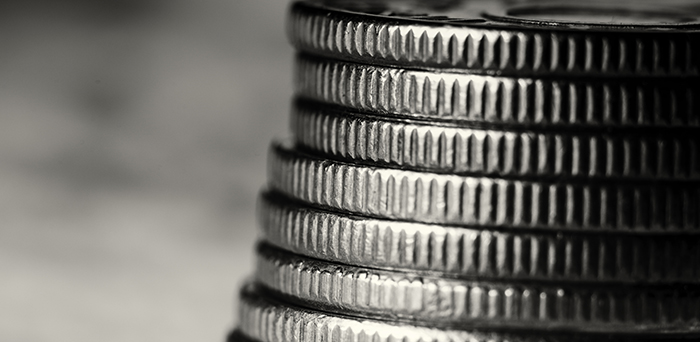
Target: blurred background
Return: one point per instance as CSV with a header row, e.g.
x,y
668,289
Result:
x,y
133,138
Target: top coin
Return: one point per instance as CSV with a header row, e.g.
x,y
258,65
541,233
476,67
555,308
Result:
x,y
489,37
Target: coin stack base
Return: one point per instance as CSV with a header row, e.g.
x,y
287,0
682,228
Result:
x,y
468,171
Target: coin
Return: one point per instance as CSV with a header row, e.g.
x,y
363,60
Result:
x,y
506,151
642,207
516,100
266,319
440,301
484,171
522,41
471,253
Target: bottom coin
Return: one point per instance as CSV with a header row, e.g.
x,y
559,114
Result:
x,y
267,320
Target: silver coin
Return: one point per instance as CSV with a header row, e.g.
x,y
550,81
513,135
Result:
x,y
643,207
267,320
478,253
516,100
484,171
494,150
565,38
440,301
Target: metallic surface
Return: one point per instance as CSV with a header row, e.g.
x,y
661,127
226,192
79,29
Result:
x,y
440,301
270,320
478,253
514,170
492,150
470,98
643,207
496,44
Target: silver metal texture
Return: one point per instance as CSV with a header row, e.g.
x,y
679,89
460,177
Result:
x,y
593,40
506,151
645,207
484,171
470,253
440,301
269,320
494,99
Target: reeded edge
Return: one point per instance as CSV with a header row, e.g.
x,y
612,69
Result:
x,y
456,97
493,46
476,253
266,319
492,150
433,301
635,207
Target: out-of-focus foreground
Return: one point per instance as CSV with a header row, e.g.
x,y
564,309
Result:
x,y
132,145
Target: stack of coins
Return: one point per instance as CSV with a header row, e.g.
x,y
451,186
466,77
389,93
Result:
x,y
484,171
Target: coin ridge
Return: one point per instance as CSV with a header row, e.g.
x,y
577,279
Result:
x,y
460,252
265,319
523,50
475,98
482,201
495,305
493,151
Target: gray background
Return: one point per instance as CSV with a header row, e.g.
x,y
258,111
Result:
x,y
133,136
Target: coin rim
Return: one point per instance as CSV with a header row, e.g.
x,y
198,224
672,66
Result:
x,y
494,151
483,201
262,316
479,47
471,253
555,102
452,303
